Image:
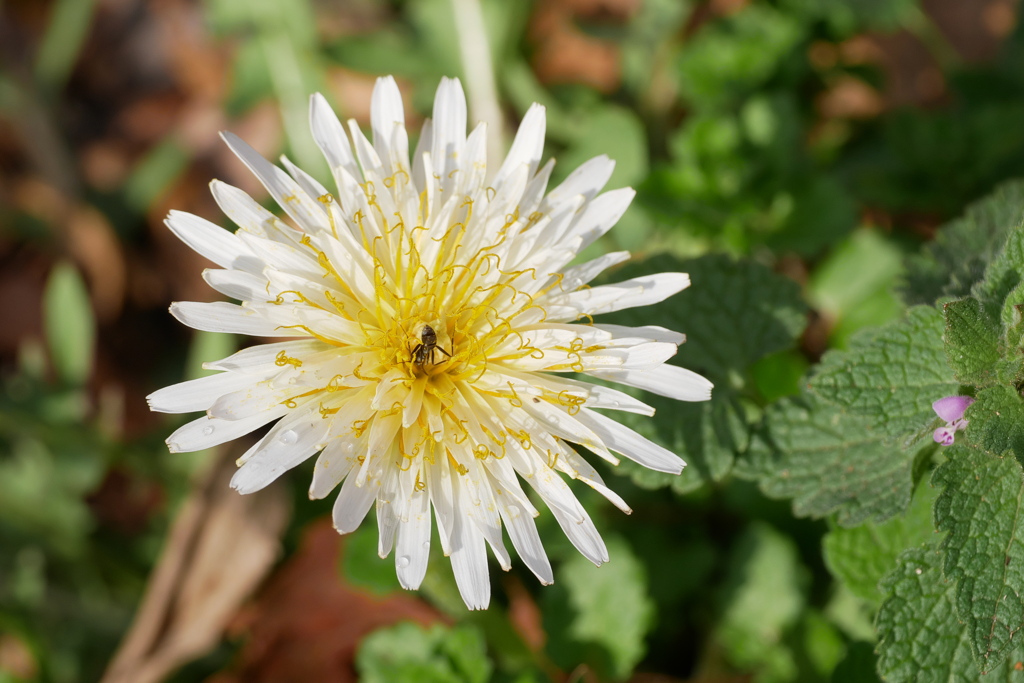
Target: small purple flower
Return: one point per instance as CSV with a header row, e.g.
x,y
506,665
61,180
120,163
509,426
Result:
x,y
951,409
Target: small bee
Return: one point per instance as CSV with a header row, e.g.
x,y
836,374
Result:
x,y
424,351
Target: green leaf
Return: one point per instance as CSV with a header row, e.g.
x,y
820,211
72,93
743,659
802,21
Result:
x,y
361,566
830,461
862,555
983,553
956,259
154,173
69,25
1004,274
996,422
410,653
734,314
70,324
612,130
921,638
735,53
851,285
764,597
600,615
972,342
891,375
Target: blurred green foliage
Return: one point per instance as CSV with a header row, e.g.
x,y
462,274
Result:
x,y
801,229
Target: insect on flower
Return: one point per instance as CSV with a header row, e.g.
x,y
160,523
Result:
x,y
429,321
425,350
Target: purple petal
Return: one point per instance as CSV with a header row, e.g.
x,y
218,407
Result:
x,y
952,408
943,435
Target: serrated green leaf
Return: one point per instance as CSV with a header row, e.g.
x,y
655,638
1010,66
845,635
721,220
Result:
x,y
829,461
862,555
734,314
891,375
921,638
950,265
70,324
600,615
972,341
995,422
410,653
1004,274
983,553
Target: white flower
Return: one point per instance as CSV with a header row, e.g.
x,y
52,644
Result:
x,y
429,310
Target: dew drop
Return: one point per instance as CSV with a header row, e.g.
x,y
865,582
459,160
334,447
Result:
x,y
426,545
207,430
513,511
288,437
293,380
403,562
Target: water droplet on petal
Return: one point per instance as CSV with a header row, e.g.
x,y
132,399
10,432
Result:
x,y
513,511
207,430
403,562
426,545
288,437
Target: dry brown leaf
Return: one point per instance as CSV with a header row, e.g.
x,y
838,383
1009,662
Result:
x,y
220,547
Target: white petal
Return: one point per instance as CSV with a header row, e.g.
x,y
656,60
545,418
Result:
x,y
197,394
243,210
387,515
525,539
353,503
207,432
583,535
236,284
335,462
442,497
570,462
289,443
587,180
527,147
253,398
413,549
220,316
449,127
212,241
469,558
577,276
330,136
600,215
667,380
624,440
386,116
266,358
303,209
651,332
308,183
639,291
